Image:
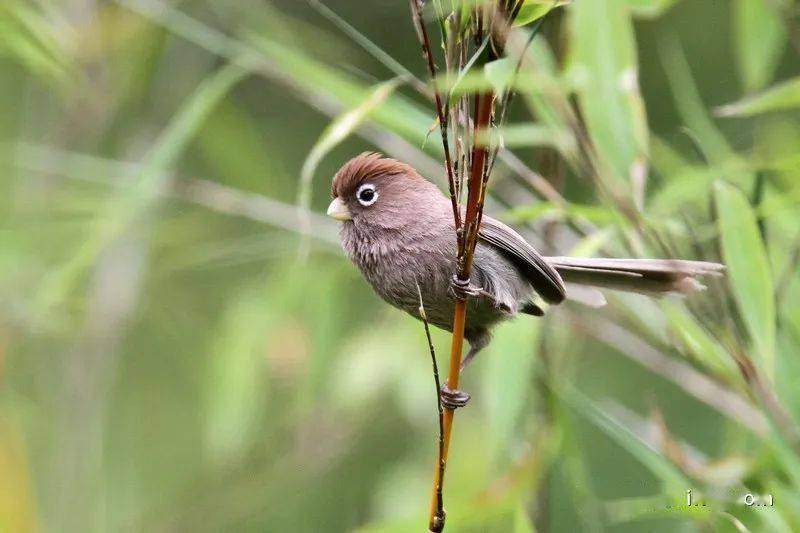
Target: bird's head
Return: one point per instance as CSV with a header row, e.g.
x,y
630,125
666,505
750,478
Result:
x,y
372,190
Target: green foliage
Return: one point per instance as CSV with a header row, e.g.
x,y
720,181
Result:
x,y
604,65
32,40
783,96
533,10
760,38
749,270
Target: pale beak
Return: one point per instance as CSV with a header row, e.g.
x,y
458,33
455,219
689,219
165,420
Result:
x,y
338,210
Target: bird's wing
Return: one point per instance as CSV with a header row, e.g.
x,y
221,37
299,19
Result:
x,y
543,277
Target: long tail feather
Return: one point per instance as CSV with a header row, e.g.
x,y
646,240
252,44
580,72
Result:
x,y
636,275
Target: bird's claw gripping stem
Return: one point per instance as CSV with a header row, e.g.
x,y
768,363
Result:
x,y
453,399
463,289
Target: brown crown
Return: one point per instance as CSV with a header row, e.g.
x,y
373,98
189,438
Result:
x,y
364,167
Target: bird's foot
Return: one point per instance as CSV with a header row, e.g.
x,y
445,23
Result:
x,y
463,289
437,524
452,399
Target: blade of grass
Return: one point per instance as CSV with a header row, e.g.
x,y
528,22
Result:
x,y
605,67
28,37
759,38
781,97
690,106
214,196
749,270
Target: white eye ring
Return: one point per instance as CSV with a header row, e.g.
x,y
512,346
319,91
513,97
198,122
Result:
x,y
371,199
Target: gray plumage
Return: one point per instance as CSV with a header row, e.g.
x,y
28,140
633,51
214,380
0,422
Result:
x,y
398,230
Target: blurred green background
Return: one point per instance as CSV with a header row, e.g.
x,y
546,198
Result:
x,y
175,355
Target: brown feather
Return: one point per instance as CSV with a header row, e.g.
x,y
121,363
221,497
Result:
x,y
636,275
367,166
533,267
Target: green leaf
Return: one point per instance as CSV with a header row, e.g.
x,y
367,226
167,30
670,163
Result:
x,y
690,105
362,40
500,73
780,97
29,38
649,9
316,81
699,343
533,10
605,69
759,38
398,114
749,270
528,134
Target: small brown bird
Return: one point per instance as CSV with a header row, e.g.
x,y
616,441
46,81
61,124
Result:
x,y
398,230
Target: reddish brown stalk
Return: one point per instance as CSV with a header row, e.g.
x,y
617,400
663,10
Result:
x,y
475,199
466,237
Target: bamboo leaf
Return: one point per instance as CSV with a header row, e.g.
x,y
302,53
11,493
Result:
x,y
759,38
28,37
362,40
689,104
749,270
649,9
500,73
338,130
527,134
605,69
398,114
533,10
780,97
699,343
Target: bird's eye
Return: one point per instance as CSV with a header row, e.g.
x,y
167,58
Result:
x,y
367,195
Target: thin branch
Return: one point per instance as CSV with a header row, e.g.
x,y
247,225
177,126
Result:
x,y
438,514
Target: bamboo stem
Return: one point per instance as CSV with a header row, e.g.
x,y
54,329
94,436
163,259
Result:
x,y
466,239
475,200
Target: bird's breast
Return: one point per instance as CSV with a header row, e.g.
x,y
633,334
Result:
x,y
396,264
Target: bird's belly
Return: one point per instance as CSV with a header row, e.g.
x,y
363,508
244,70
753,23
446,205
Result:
x,y
405,277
